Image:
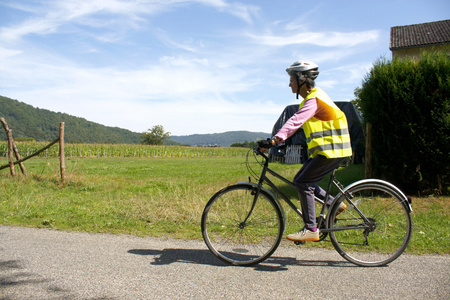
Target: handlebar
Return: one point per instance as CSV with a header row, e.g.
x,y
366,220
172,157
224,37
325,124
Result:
x,y
258,151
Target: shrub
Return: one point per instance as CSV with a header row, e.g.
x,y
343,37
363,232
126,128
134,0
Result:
x,y
408,104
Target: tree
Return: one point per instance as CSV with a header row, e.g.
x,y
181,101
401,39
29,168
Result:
x,y
155,136
245,144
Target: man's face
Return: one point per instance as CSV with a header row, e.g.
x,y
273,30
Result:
x,y
293,83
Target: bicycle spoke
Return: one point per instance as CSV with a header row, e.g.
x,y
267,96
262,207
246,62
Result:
x,y
386,221
234,241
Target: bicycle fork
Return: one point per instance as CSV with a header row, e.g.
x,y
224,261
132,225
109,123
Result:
x,y
255,192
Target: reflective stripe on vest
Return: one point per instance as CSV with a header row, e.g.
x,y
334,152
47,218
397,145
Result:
x,y
330,138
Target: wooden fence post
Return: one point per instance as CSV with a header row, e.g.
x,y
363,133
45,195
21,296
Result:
x,y
11,155
16,152
368,159
61,152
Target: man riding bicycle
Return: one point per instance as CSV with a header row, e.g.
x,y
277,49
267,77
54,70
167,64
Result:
x,y
327,136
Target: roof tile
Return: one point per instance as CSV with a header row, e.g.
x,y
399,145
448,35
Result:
x,y
425,34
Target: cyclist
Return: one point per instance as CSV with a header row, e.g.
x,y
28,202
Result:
x,y
328,139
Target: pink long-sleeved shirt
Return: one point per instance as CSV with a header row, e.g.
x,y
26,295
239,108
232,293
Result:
x,y
309,109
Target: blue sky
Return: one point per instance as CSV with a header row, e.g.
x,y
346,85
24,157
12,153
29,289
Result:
x,y
192,66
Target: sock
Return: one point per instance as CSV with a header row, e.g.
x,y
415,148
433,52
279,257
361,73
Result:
x,y
312,229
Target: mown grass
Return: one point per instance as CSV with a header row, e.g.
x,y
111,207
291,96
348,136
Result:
x,y
162,197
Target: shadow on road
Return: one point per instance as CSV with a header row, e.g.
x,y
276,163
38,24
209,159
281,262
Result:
x,y
197,256
12,275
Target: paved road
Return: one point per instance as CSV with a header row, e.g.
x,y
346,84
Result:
x,y
47,264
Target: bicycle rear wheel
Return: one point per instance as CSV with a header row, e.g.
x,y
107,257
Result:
x,y
381,225
233,237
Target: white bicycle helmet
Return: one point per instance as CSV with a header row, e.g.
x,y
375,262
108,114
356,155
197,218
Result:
x,y
304,69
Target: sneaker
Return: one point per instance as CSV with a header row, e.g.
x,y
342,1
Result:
x,y
304,235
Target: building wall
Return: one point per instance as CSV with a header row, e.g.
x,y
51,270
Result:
x,y
415,52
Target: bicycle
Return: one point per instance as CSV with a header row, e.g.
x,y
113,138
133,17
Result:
x,y
243,224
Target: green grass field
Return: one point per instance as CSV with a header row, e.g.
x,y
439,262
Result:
x,y
162,196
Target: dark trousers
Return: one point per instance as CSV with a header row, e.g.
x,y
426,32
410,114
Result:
x,y
312,172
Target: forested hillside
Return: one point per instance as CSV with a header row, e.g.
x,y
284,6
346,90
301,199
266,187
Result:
x,y
27,121
220,139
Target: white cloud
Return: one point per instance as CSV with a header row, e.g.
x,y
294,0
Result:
x,y
81,12
84,12
180,93
6,53
324,39
242,11
186,45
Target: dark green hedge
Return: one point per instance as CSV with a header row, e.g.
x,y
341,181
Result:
x,y
408,104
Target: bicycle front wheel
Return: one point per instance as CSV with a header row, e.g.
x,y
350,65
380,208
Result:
x,y
376,230
240,229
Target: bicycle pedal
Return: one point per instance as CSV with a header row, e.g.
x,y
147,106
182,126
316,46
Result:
x,y
300,243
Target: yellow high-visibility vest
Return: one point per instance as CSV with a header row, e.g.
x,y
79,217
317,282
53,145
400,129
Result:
x,y
329,137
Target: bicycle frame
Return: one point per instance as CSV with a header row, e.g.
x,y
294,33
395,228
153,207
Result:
x,y
264,179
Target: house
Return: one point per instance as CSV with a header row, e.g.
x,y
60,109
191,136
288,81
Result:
x,y
410,40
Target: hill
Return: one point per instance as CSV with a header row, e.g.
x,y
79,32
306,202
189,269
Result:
x,y
224,139
27,121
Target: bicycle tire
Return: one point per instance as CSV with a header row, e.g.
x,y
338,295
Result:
x,y
234,242
387,230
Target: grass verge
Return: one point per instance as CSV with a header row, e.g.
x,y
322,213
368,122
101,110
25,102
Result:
x,y
162,197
